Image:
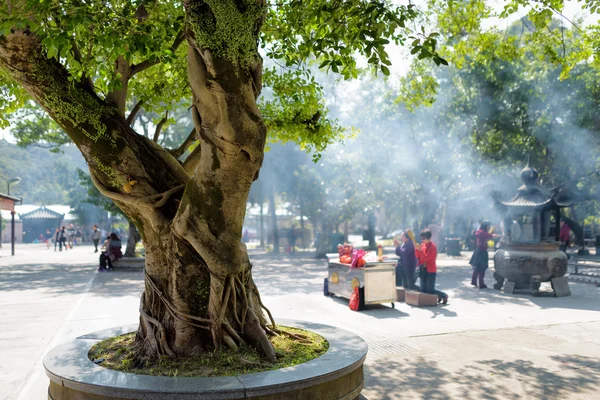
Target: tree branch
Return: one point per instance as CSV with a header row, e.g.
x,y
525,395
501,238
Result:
x,y
191,163
165,196
184,146
563,16
76,53
159,126
134,112
175,167
135,68
144,201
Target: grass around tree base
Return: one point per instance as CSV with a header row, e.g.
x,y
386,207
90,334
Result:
x,y
118,353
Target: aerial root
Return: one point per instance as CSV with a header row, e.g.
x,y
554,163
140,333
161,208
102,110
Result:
x,y
296,336
263,306
229,342
160,343
228,331
249,363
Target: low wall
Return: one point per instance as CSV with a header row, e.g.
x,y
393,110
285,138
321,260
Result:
x,y
335,375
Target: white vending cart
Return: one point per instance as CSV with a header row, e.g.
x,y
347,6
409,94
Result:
x,y
376,278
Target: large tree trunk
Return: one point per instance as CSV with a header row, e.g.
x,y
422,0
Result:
x,y
132,239
199,293
371,221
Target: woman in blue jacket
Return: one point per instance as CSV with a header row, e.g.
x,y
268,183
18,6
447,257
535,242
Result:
x,y
408,262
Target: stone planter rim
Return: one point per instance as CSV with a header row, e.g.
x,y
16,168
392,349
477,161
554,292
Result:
x,y
68,365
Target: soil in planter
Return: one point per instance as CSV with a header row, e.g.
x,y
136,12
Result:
x,y
118,353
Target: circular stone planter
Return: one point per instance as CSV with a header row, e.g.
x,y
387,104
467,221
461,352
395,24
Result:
x,y
335,375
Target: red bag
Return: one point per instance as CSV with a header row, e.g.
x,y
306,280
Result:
x,y
354,300
356,256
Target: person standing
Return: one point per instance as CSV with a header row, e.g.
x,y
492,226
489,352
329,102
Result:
x,y
480,258
62,239
96,235
426,253
564,236
407,263
78,236
48,237
56,238
71,235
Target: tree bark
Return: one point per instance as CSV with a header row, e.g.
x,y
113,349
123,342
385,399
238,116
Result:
x,y
132,239
199,293
371,221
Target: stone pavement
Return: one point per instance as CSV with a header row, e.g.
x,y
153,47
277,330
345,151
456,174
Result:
x,y
48,297
482,345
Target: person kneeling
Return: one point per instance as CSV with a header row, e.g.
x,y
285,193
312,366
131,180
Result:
x,y
426,254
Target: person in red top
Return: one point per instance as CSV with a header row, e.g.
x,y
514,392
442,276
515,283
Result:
x,y
426,253
564,236
480,258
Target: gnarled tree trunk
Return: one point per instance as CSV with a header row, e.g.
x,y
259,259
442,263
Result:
x,y
199,293
132,239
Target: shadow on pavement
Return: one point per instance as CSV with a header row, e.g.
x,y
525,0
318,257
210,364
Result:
x,y
61,279
457,281
423,378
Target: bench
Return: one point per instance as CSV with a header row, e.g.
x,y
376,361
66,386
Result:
x,y
400,294
419,299
129,263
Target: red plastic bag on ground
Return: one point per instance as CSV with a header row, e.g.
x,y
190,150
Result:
x,y
354,300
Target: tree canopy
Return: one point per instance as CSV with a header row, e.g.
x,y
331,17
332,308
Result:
x,y
93,65
133,54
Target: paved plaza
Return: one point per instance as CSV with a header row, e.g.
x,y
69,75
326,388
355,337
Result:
x,y
483,345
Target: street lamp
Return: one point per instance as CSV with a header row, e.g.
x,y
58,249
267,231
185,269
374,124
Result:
x,y
13,180
12,228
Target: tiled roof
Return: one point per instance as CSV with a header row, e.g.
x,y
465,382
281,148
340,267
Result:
x,y
523,202
534,197
7,197
41,213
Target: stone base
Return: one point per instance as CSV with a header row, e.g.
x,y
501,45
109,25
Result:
x,y
509,287
400,294
129,262
561,287
336,375
419,299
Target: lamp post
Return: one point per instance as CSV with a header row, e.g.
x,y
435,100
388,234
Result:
x,y
13,180
12,228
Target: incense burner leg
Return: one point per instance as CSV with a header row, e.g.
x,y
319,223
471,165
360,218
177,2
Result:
x,y
499,281
535,285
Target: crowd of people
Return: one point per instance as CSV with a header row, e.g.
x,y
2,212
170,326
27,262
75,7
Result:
x,y
423,255
72,236
420,259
